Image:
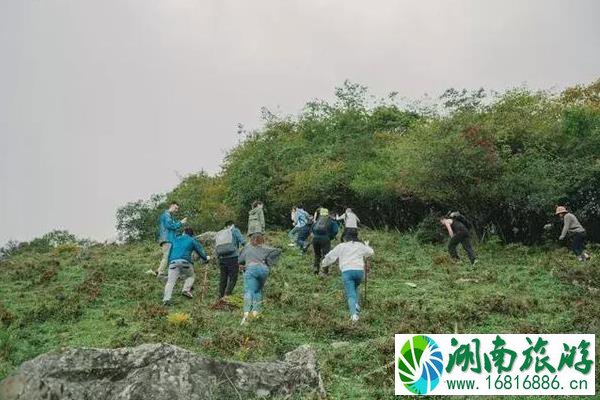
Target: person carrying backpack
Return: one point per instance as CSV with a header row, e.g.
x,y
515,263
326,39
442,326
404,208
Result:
x,y
351,256
167,232
180,264
458,229
573,229
351,222
324,230
227,244
257,259
256,219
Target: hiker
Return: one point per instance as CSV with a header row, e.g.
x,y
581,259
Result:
x,y
573,229
181,264
256,258
457,226
351,222
256,219
227,244
324,231
301,229
351,257
167,231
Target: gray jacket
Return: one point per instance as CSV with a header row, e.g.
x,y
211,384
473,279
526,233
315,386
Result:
x,y
570,225
256,220
259,255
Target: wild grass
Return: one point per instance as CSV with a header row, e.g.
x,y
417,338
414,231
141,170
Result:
x,y
103,299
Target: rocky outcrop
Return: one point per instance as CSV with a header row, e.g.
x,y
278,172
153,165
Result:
x,y
157,372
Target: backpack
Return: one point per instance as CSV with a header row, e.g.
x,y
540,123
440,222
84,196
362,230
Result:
x,y
461,218
321,226
224,245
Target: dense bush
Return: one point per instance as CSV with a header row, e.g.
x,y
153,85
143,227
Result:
x,y
54,240
505,161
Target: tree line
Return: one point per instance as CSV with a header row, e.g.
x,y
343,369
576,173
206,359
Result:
x,y
502,159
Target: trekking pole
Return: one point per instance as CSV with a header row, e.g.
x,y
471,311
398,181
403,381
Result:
x,y
367,267
204,283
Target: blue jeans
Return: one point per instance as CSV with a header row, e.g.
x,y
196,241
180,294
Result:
x,y
254,279
302,236
352,279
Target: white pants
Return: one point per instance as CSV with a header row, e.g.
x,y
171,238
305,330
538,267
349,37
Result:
x,y
166,249
185,270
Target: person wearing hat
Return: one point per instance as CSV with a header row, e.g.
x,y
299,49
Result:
x,y
573,229
324,231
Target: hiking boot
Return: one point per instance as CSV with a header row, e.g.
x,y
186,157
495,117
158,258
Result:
x,y
187,294
354,318
244,319
151,272
167,303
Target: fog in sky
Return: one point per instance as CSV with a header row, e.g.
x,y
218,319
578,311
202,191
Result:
x,y
108,101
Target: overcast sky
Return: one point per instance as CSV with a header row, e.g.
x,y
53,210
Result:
x,y
108,101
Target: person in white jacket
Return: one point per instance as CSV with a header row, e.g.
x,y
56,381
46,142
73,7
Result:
x,y
351,257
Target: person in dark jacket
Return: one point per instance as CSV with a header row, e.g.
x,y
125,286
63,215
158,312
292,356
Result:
x,y
458,230
227,244
181,264
324,230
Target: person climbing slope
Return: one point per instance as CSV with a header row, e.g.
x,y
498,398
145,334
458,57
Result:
x,y
302,229
167,232
256,219
573,229
181,264
457,227
351,258
227,243
324,230
257,259
351,222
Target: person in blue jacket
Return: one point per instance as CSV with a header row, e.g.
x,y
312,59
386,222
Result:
x,y
167,231
181,264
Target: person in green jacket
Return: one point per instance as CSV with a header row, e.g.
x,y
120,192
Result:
x,y
256,219
573,229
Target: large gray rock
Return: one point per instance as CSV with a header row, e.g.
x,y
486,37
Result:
x,y
157,372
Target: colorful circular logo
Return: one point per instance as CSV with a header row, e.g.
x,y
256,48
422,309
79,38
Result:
x,y
420,364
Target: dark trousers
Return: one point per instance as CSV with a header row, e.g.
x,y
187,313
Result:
x,y
229,273
321,248
348,232
463,239
578,243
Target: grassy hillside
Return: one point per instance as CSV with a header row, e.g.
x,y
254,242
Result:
x,y
99,296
